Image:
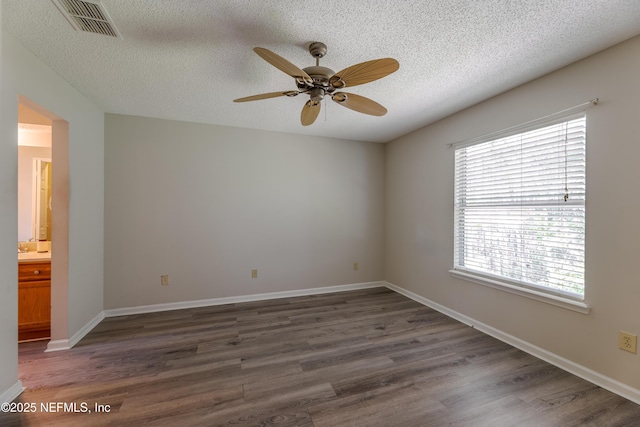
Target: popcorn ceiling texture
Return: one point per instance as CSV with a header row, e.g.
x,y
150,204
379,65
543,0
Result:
x,y
188,59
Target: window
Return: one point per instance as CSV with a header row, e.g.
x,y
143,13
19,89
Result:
x,y
520,209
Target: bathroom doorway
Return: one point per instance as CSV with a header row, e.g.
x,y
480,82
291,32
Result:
x,y
34,225
43,204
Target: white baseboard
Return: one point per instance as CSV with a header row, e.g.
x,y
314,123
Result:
x,y
86,329
12,392
231,300
66,344
57,345
583,372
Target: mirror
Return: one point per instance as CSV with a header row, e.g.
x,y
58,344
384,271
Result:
x,y
42,195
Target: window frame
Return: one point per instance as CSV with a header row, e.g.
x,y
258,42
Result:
x,y
541,293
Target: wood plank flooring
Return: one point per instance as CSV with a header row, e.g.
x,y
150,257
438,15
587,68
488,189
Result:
x,y
360,358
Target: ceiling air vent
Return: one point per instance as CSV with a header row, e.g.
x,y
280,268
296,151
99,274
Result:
x,y
87,15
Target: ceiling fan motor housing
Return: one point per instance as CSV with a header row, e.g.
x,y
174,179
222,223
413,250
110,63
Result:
x,y
320,76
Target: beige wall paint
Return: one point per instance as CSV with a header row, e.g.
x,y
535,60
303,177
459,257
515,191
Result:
x,y
419,213
23,74
207,204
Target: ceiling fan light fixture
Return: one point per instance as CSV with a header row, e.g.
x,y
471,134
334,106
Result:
x,y
317,94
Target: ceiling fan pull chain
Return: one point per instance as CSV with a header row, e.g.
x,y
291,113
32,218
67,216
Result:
x,y
326,105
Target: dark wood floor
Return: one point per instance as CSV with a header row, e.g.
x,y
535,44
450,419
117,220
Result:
x,y
360,358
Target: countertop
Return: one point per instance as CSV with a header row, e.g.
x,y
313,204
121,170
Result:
x,y
34,256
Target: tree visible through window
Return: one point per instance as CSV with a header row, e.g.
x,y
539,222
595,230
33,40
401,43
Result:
x,y
520,208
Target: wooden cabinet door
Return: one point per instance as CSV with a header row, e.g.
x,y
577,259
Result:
x,y
34,300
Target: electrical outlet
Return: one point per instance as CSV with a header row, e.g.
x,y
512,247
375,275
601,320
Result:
x,y
164,280
355,265
628,342
254,274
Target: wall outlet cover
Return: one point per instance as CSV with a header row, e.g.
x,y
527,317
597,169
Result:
x,y
628,342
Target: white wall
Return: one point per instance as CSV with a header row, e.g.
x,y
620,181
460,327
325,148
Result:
x,y
8,234
419,213
23,74
207,204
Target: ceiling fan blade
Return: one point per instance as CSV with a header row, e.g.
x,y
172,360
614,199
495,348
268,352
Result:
x,y
266,96
359,103
309,113
364,72
282,64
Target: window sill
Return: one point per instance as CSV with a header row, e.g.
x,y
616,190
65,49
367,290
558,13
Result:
x,y
567,303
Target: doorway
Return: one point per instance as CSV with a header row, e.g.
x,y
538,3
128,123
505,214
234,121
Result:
x,y
43,232
34,227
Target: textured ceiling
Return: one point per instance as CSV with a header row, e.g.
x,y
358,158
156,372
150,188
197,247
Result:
x,y
188,59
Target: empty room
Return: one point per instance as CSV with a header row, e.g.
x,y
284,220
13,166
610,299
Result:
x,y
319,214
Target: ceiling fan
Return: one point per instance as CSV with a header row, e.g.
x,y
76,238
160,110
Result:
x,y
318,82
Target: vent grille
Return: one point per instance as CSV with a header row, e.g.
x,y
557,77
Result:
x,y
89,16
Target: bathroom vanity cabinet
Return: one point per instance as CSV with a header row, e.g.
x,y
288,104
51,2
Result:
x,y
34,300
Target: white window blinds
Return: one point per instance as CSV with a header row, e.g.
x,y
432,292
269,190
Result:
x,y
520,208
